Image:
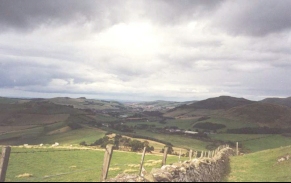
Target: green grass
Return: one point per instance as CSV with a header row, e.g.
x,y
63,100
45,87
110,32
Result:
x,y
260,167
236,137
103,118
188,123
32,132
180,123
7,100
27,134
255,142
269,142
177,140
89,135
51,127
72,166
229,123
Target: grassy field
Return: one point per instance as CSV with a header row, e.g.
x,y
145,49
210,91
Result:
x,y
82,103
89,135
261,167
230,123
68,165
180,123
177,140
103,118
255,142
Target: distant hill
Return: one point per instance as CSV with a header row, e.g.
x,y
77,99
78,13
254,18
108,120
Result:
x,y
163,103
34,113
158,104
279,101
222,102
83,103
264,114
6,100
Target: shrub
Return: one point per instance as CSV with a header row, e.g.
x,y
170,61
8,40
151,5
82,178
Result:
x,y
83,143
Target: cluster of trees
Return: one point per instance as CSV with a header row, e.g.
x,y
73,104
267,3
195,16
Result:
x,y
122,128
118,140
144,126
170,150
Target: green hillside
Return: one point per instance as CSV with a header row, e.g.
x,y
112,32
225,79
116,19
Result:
x,y
73,165
261,166
83,103
279,101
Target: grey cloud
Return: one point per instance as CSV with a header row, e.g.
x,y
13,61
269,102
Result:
x,y
12,75
22,73
30,14
255,18
173,11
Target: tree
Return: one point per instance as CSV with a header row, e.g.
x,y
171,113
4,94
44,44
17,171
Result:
x,y
83,143
170,150
136,145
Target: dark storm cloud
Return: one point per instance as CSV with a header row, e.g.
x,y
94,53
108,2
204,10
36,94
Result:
x,y
29,14
255,18
145,48
173,11
23,72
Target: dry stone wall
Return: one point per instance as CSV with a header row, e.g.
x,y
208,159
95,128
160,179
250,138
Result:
x,y
197,170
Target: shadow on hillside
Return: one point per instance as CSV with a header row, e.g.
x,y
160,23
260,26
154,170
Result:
x,y
226,173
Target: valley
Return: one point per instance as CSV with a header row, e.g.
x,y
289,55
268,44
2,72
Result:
x,y
198,125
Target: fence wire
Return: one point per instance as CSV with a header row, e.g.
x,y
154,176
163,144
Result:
x,y
47,177
50,163
48,151
53,161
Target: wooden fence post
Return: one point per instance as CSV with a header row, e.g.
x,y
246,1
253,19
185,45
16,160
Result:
x,y
190,155
201,155
180,155
195,154
142,159
106,161
165,155
4,162
237,148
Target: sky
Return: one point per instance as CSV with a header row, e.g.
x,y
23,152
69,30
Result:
x,y
177,50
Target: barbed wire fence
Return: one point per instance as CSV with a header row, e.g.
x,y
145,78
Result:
x,y
25,156
60,169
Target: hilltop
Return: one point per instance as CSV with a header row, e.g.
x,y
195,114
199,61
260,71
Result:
x,y
222,102
32,120
279,101
83,103
207,107
264,114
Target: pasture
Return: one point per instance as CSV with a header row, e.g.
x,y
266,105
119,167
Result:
x,y
49,164
255,142
261,167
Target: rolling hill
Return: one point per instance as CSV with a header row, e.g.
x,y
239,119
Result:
x,y
222,102
279,101
264,114
83,103
206,107
262,166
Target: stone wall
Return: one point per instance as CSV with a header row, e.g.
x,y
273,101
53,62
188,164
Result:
x,y
197,170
